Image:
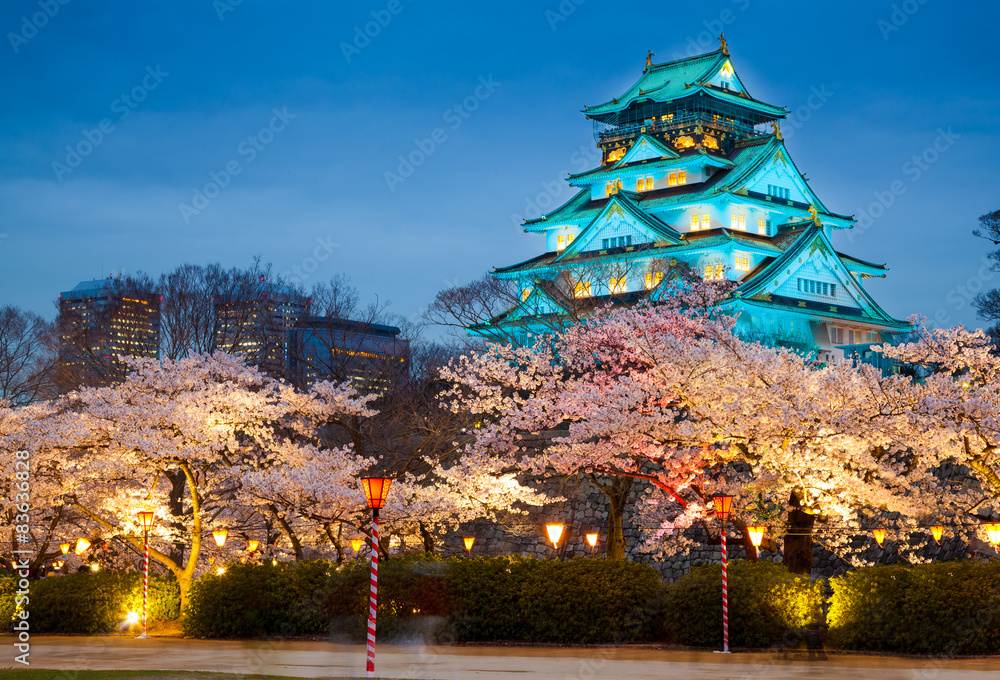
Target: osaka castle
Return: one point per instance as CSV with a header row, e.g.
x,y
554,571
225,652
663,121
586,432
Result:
x,y
695,175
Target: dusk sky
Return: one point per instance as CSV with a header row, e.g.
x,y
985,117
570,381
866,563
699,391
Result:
x,y
158,98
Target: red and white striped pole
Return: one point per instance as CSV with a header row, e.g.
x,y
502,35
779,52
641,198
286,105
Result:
x,y
145,581
373,598
725,595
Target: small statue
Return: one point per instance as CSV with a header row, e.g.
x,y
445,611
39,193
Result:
x,y
814,214
777,130
649,60
722,41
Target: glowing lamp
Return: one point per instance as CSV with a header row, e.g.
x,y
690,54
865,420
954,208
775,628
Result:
x,y
58,564
356,544
555,532
993,532
937,532
220,536
252,544
592,541
95,567
469,541
220,571
146,520
376,491
81,545
132,618
723,506
879,536
64,547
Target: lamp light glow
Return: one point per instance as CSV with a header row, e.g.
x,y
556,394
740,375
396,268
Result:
x,y
252,545
469,541
993,532
146,519
723,506
356,544
592,541
376,491
220,536
555,532
879,536
132,618
937,532
64,548
81,545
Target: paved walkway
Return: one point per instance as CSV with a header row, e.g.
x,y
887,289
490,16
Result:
x,y
326,660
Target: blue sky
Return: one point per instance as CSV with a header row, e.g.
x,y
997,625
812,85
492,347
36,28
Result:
x,y
158,98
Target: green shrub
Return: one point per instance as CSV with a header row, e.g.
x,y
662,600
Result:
x,y
8,588
442,600
945,608
766,604
91,603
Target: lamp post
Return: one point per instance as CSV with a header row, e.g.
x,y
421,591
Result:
x,y
376,490
555,532
723,508
756,534
146,520
469,541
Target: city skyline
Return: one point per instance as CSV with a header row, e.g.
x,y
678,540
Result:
x,y
405,160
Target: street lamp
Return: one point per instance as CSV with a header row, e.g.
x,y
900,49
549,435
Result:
x,y
756,534
879,535
81,545
555,532
146,519
376,491
220,536
252,545
469,541
937,532
64,548
993,533
592,542
723,508
356,544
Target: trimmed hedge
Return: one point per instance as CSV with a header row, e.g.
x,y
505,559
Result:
x,y
505,598
766,604
85,602
945,608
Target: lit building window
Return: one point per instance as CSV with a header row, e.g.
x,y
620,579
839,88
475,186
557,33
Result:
x,y
560,242
732,220
714,272
743,223
706,221
742,263
617,284
525,293
582,289
682,177
675,178
762,226
719,271
694,221
653,279
644,184
569,238
667,116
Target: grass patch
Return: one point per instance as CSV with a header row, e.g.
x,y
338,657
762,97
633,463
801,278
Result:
x,y
44,674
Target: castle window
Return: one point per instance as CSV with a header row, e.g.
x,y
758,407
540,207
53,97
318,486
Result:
x,y
742,263
817,287
694,221
525,293
569,238
560,242
706,221
714,272
762,226
779,192
644,184
738,222
653,279
617,284
582,289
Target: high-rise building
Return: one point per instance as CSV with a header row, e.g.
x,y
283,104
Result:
x,y
100,320
695,175
256,325
369,355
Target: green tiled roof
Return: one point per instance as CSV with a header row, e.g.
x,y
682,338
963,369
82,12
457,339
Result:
x,y
671,80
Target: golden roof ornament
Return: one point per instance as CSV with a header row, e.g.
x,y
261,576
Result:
x,y
814,214
777,130
722,42
649,61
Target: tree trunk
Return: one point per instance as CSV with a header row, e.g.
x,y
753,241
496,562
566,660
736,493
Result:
x,y
798,542
617,490
428,539
178,482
